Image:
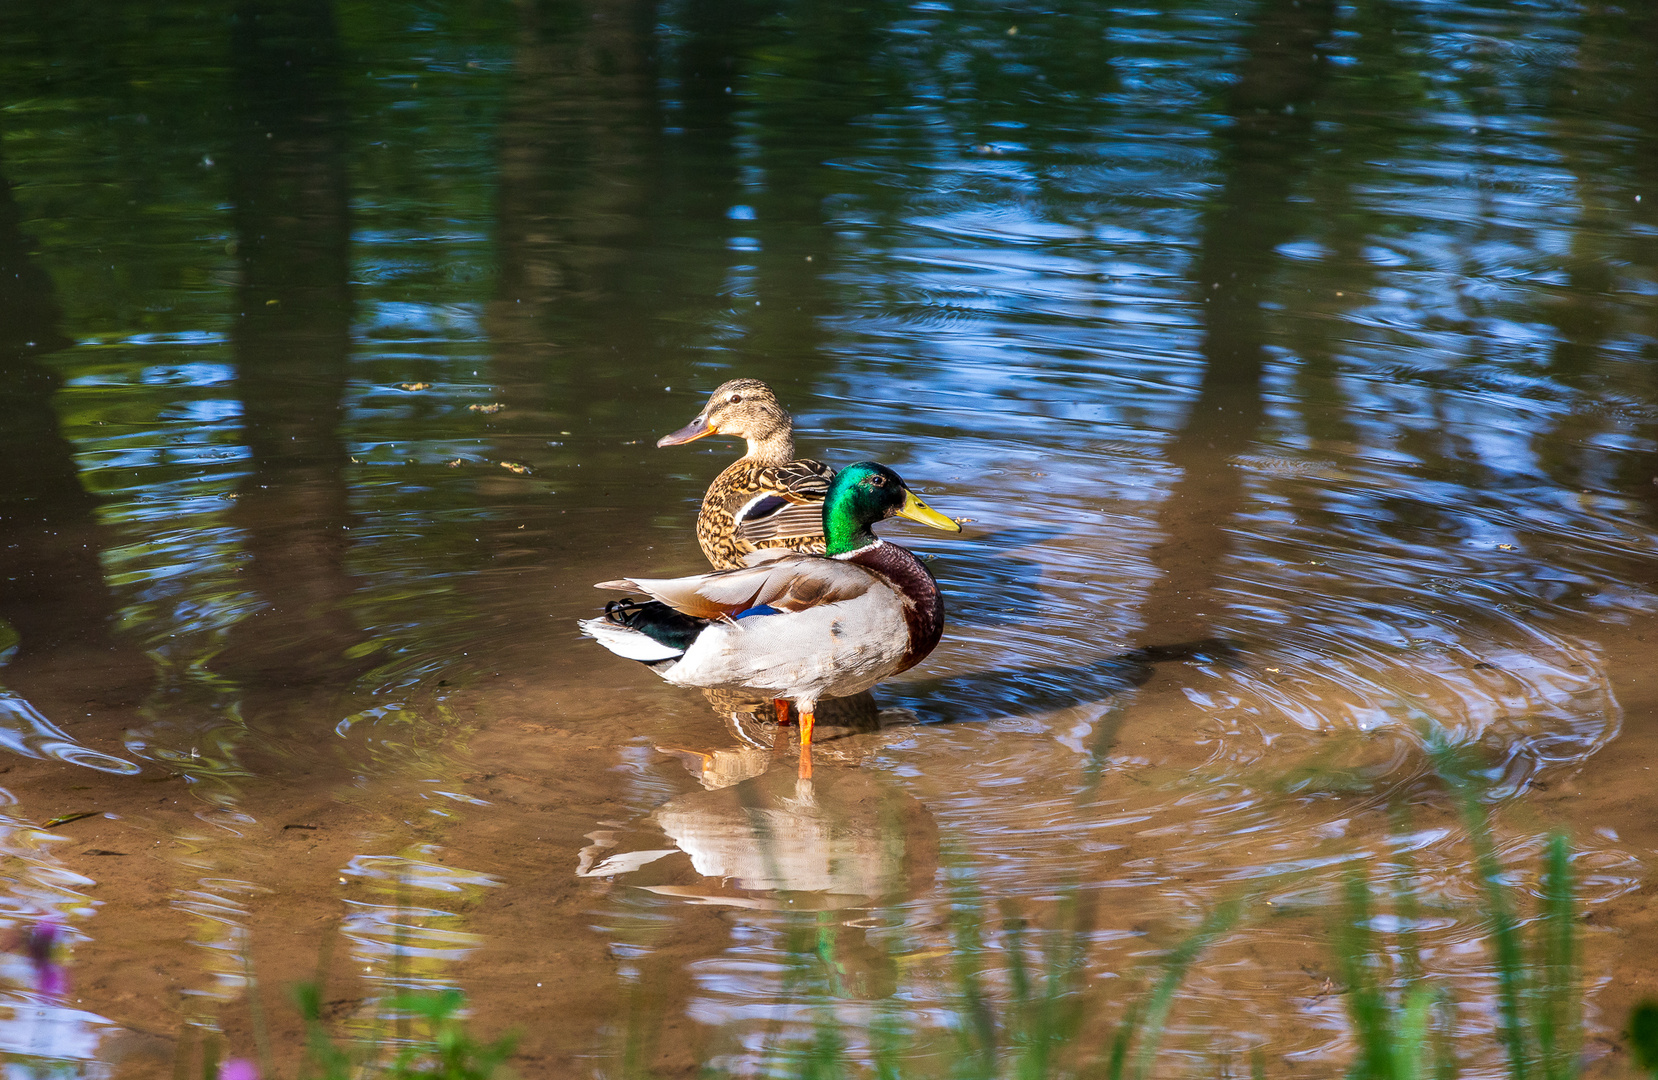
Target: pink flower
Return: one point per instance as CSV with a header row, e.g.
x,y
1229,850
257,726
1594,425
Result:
x,y
42,942
238,1069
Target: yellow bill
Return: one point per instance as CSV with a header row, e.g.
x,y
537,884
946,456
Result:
x,y
916,510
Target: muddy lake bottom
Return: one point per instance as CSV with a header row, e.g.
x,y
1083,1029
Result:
x,y
472,852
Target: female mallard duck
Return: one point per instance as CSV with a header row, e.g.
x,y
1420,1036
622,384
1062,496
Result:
x,y
765,499
795,627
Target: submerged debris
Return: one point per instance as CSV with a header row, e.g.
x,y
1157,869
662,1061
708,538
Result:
x,y
67,818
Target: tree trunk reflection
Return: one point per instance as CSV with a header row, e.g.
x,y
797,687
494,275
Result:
x,y
1264,158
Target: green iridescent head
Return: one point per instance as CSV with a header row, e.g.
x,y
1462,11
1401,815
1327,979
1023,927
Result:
x,y
865,493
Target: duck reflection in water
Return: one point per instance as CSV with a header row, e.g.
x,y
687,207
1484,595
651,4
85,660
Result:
x,y
842,839
751,721
796,627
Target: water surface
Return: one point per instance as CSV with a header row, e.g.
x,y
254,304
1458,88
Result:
x,y
1294,362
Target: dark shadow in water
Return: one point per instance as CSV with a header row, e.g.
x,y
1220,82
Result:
x,y
1266,146
596,248
1023,691
1584,313
52,588
1593,311
291,339
622,164
575,188
619,168
800,144
1378,83
1637,473
592,260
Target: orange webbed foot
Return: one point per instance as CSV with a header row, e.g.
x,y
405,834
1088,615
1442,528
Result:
x,y
806,722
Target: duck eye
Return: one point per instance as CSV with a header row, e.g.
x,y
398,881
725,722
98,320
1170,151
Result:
x,y
736,398
878,481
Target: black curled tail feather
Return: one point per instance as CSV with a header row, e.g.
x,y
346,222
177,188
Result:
x,y
656,620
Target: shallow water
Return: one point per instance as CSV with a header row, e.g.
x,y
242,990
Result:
x,y
1294,364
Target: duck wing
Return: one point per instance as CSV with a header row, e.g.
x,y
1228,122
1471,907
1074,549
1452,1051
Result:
x,y
787,582
789,506
802,480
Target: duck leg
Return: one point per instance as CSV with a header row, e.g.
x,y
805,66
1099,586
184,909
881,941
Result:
x,y
781,707
806,722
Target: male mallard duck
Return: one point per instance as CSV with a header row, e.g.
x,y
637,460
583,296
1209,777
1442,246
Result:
x,y
795,627
765,499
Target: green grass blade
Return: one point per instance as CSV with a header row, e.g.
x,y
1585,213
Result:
x,y
1047,1006
1222,919
1061,1008
886,1039
1405,902
1021,1024
1505,932
1444,1021
1410,1049
1117,1060
1558,1024
1356,955
1018,970
211,1048
976,1033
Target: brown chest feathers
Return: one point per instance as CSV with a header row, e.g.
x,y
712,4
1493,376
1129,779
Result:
x,y
923,603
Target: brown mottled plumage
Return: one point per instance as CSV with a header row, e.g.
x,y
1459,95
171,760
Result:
x,y
766,498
